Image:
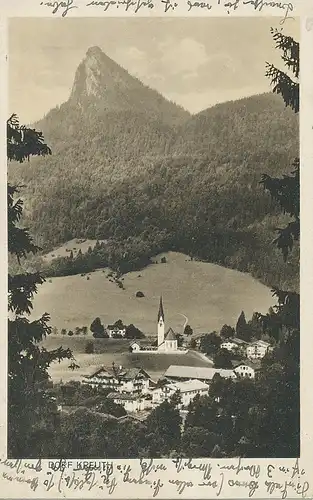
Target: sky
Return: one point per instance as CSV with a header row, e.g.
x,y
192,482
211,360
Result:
x,y
195,62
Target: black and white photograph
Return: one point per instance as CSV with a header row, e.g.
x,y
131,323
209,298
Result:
x,y
153,205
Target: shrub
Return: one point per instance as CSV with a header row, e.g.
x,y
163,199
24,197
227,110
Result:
x,y
89,348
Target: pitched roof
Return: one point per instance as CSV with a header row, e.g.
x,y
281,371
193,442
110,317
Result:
x,y
161,311
256,365
190,385
101,372
118,371
196,372
170,335
122,397
132,373
238,341
262,343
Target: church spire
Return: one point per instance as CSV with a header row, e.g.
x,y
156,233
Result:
x,y
161,312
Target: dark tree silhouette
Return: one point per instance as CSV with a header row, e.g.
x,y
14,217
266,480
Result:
x,y
227,332
132,332
32,411
286,190
89,347
222,359
188,330
242,328
97,328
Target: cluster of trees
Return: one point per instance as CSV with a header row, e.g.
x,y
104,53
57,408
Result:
x,y
78,330
99,331
121,256
249,418
254,329
82,395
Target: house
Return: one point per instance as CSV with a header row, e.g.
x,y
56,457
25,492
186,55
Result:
x,y
234,344
228,344
119,379
132,403
135,346
177,373
246,368
115,331
105,378
257,350
136,380
188,390
198,342
240,345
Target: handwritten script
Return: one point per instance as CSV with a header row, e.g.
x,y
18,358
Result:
x,y
63,8
178,478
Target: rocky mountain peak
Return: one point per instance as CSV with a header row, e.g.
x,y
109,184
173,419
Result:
x,y
100,77
94,52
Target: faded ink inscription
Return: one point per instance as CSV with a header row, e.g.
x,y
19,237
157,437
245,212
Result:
x,y
63,476
64,7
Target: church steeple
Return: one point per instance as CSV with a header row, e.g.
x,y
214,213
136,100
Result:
x,y
161,311
161,325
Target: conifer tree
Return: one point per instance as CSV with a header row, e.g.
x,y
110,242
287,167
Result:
x,y
269,433
242,328
32,413
286,190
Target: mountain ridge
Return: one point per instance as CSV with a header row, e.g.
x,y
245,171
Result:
x,y
156,173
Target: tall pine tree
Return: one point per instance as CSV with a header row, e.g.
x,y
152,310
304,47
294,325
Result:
x,y
286,190
276,424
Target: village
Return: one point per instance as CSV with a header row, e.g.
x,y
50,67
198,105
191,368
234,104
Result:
x,y
139,393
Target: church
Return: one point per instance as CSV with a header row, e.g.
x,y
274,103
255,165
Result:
x,y
166,342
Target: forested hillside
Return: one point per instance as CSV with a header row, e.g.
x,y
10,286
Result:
x,y
128,165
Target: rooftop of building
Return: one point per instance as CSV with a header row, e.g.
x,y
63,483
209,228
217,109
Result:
x,y
238,341
118,371
196,372
161,310
190,385
123,397
261,343
170,335
256,365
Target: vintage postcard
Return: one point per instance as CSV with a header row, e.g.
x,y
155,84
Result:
x,y
151,344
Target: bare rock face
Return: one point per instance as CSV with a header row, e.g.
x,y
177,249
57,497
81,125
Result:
x,y
99,77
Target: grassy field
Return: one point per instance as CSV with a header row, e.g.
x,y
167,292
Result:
x,y
107,351
207,294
